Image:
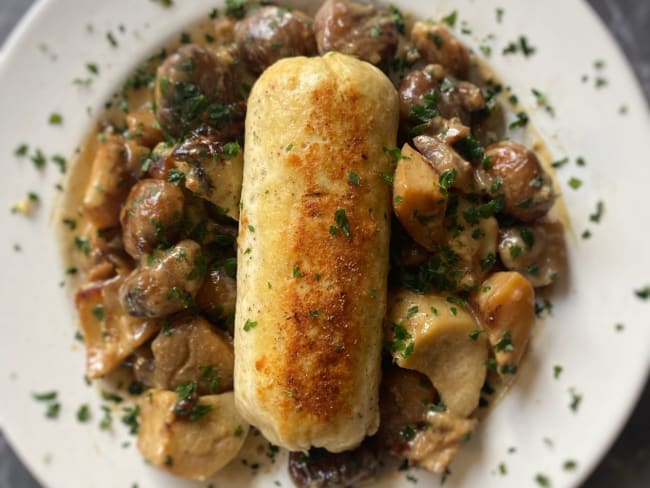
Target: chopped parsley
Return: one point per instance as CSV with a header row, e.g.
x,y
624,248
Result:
x,y
45,397
575,183
21,150
175,176
130,418
557,371
521,121
83,413
450,19
38,158
249,325
569,465
576,400
82,244
98,312
475,333
446,180
643,293
111,39
542,101
542,480
236,8
231,149
341,219
505,343
429,109
600,210
55,119
396,17
353,178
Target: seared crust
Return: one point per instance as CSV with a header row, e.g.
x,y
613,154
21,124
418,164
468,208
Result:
x,y
308,372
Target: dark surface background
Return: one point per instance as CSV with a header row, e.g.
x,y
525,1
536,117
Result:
x,y
627,465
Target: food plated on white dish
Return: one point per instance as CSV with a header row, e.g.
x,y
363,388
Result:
x,y
331,335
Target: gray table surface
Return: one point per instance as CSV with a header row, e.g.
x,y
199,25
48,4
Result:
x,y
627,465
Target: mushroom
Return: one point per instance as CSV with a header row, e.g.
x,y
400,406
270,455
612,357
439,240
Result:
x,y
357,29
436,446
419,202
194,87
537,251
437,45
110,334
151,217
189,349
513,171
195,446
165,282
218,294
211,170
271,33
109,183
471,240
445,160
440,338
143,126
505,304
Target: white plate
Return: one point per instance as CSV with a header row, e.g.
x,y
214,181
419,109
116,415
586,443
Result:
x,y
606,367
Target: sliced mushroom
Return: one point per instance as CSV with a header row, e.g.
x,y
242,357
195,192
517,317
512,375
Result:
x,y
151,217
110,334
441,339
471,242
271,33
212,170
194,449
218,294
161,161
436,446
143,126
430,88
109,183
190,350
437,45
357,29
515,172
419,202
446,160
165,282
537,251
505,304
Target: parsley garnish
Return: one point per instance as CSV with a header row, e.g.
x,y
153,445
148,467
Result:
x,y
98,312
576,399
55,119
446,180
450,19
249,325
522,120
575,183
600,210
353,178
429,109
341,219
643,293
